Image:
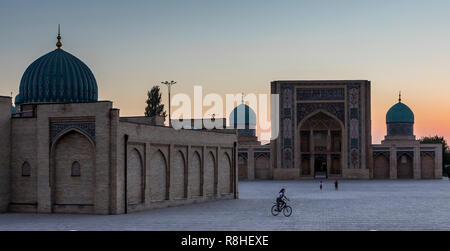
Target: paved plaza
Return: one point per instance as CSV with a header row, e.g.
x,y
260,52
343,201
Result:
x,y
358,205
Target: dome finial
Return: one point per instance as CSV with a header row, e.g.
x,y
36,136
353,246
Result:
x,y
59,44
400,96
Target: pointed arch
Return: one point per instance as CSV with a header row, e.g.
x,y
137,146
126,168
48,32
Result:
x,y
381,167
262,164
242,166
26,169
322,143
158,176
195,168
76,169
427,166
210,170
225,174
67,190
135,183
179,176
70,130
405,166
306,118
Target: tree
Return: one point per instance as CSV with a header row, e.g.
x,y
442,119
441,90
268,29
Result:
x,y
445,149
154,106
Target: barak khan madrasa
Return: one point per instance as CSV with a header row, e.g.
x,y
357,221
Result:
x,y
325,132
63,151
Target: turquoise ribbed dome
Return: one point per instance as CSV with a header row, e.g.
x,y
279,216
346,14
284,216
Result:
x,y
242,115
400,113
57,77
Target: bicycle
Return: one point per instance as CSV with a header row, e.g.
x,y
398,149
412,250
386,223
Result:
x,y
285,208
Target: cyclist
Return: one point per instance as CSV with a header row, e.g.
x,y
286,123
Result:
x,y
281,196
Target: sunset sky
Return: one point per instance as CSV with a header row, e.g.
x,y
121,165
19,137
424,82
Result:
x,y
234,46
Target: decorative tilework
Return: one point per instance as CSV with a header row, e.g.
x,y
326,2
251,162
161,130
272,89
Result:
x,y
320,94
354,106
287,127
320,156
337,109
59,128
246,132
409,153
349,113
287,98
387,154
431,153
262,149
400,128
243,155
335,156
258,154
306,156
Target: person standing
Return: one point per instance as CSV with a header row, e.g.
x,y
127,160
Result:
x,y
321,185
336,185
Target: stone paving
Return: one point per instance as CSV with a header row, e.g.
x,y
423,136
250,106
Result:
x,y
358,205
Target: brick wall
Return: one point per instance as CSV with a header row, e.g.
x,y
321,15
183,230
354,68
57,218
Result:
x,y
71,150
5,134
179,165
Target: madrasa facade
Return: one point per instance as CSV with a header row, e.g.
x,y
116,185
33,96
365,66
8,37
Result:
x,y
63,151
325,132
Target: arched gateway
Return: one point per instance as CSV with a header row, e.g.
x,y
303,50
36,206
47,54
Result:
x,y
321,145
73,191
324,129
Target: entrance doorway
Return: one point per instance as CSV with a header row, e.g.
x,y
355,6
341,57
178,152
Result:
x,y
321,137
320,167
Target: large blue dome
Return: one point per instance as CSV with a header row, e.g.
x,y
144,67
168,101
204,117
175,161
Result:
x,y
242,115
400,113
57,77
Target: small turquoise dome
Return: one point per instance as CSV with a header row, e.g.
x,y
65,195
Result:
x,y
400,113
59,77
242,115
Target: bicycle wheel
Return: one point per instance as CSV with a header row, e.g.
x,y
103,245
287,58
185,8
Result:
x,y
274,210
287,211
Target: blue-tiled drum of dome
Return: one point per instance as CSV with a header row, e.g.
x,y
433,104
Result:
x,y
400,129
57,77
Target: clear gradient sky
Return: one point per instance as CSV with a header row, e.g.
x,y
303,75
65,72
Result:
x,y
233,46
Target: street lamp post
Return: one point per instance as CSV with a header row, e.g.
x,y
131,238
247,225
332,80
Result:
x,y
169,85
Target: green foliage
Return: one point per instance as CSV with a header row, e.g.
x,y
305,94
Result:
x,y
435,140
445,149
154,106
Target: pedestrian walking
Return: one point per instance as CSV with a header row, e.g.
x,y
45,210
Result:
x,y
336,185
321,185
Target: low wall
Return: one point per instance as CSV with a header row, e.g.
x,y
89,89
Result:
x,y
159,166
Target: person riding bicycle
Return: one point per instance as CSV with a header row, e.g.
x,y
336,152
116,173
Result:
x,y
280,199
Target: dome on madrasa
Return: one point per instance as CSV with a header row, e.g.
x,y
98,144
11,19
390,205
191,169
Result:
x,y
400,120
400,113
243,118
242,115
57,77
